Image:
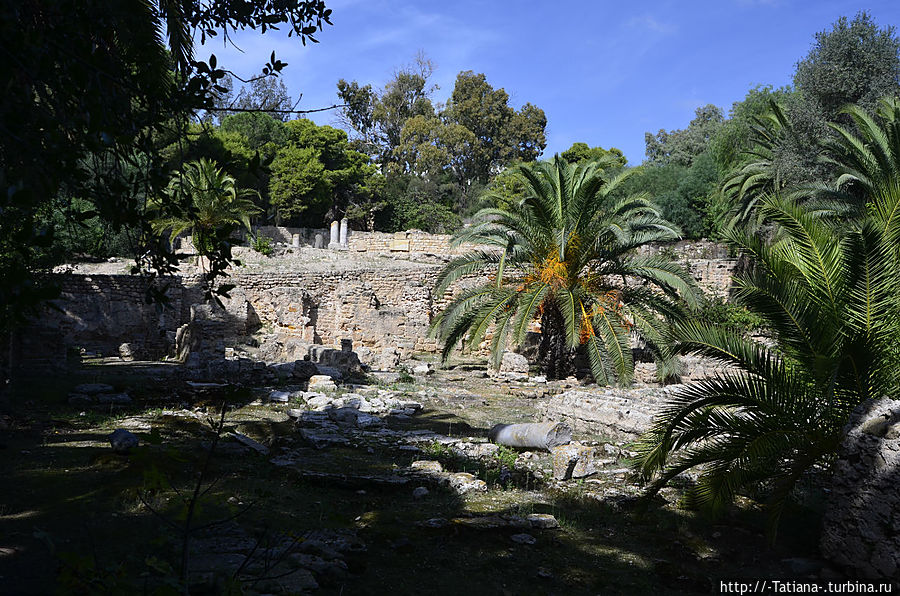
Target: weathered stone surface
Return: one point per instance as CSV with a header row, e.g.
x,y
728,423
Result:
x,y
861,529
304,370
542,521
427,466
280,397
463,483
513,363
321,383
616,413
540,435
523,538
122,441
423,369
126,352
248,442
573,461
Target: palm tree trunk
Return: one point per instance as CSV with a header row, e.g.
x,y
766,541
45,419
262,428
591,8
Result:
x,y
557,360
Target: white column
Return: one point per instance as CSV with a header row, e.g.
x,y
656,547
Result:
x,y
345,230
335,239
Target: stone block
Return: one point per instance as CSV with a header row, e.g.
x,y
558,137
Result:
x,y
321,383
573,461
513,363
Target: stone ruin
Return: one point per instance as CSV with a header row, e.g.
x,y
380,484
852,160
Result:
x,y
862,522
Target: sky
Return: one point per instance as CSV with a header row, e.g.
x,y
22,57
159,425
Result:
x,y
603,72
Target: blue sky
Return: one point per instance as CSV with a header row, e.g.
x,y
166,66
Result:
x,y
604,72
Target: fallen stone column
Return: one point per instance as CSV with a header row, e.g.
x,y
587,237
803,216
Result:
x,y
535,435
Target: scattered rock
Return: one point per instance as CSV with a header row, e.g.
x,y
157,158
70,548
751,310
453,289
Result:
x,y
542,521
126,352
427,466
247,441
464,483
420,492
321,439
511,362
280,397
122,440
523,538
423,369
321,383
573,461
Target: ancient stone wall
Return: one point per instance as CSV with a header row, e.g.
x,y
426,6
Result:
x,y
98,313
374,308
378,303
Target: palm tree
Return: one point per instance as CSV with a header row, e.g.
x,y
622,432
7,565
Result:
x,y
867,162
827,292
758,174
566,254
213,206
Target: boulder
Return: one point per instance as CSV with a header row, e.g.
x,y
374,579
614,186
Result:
x,y
282,397
463,483
304,370
423,369
513,363
861,528
573,461
126,352
122,440
542,521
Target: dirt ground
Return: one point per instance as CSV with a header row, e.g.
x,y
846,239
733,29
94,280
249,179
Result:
x,y
285,515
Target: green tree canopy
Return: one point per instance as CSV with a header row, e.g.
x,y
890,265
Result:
x,y
681,147
91,86
501,133
579,152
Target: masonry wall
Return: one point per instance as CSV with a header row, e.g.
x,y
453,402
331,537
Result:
x,y
375,307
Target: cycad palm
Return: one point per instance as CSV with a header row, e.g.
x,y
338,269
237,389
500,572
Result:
x,y
213,205
563,254
827,292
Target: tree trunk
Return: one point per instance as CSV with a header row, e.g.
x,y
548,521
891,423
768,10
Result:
x,y
557,360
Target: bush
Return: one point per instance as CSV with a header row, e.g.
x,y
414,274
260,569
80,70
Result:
x,y
262,245
716,310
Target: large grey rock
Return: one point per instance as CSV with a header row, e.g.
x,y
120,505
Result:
x,y
573,461
304,370
122,440
861,529
126,352
615,413
513,363
464,483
